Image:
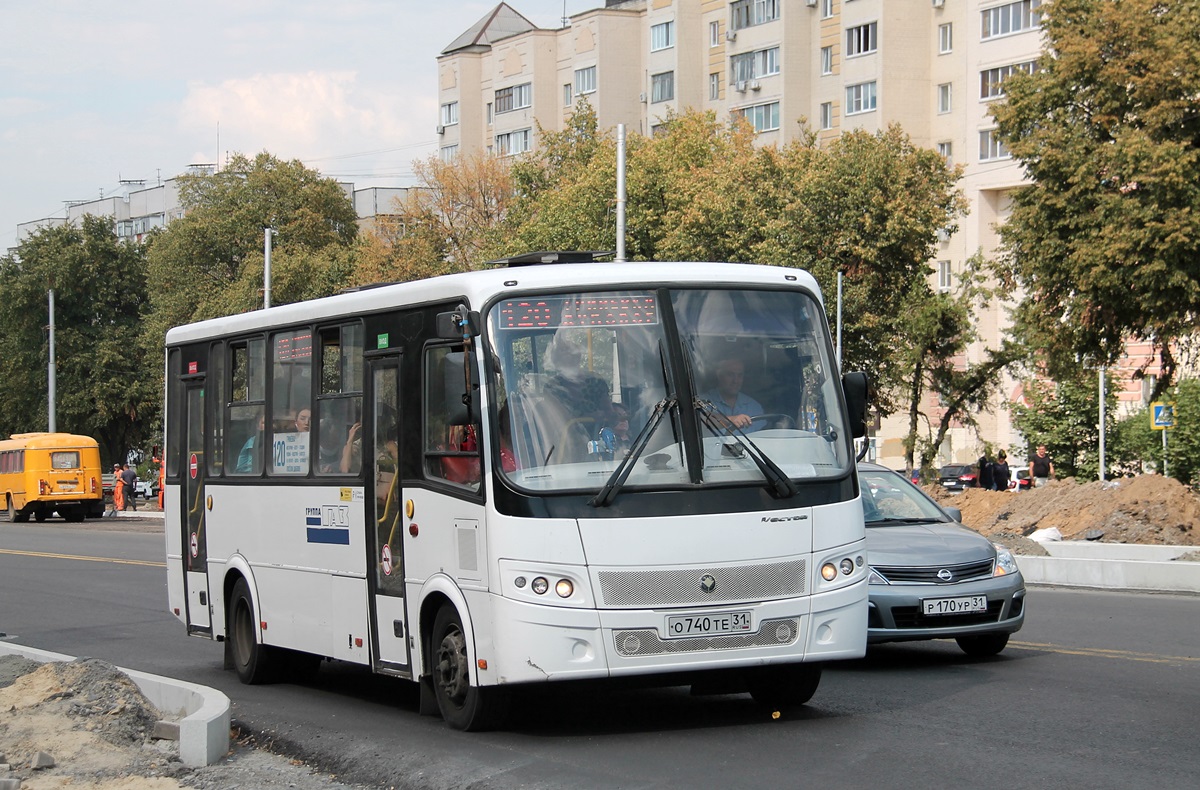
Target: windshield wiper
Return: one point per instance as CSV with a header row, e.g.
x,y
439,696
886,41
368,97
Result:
x,y
915,520
780,485
617,479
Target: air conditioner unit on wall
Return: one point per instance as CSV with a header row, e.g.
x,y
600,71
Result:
x,y
441,129
755,85
938,3
731,35
740,86
811,3
642,98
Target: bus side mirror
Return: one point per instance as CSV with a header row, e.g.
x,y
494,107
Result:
x,y
454,383
457,324
854,388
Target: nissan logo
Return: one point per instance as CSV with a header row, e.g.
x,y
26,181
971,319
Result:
x,y
945,575
707,583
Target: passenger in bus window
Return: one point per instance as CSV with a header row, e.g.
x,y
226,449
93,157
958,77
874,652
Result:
x,y
303,420
245,461
738,408
351,460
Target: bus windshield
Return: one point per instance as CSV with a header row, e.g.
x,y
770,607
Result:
x,y
705,386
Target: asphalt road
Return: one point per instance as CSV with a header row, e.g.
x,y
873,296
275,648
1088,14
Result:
x,y
1100,689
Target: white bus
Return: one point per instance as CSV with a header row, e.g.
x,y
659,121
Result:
x,y
537,472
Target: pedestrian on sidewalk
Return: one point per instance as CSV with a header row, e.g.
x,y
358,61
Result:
x,y
118,490
129,484
1000,472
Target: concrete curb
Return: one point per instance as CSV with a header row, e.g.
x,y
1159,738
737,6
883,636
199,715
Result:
x,y
204,712
1112,566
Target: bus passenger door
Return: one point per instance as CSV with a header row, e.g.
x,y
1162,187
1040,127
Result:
x,y
195,542
384,524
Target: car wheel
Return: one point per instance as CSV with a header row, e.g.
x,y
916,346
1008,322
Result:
x,y
982,645
254,662
462,705
786,685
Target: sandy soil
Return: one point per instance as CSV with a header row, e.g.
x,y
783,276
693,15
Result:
x,y
1145,509
93,725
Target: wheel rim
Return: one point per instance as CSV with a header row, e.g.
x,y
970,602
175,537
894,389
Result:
x,y
451,672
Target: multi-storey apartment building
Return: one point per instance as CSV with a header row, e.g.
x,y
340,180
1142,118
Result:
x,y
933,66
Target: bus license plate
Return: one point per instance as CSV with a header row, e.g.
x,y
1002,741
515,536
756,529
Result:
x,y
711,624
971,603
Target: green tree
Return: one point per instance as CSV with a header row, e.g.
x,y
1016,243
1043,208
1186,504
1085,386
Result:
x,y
210,262
1105,240
103,388
1065,416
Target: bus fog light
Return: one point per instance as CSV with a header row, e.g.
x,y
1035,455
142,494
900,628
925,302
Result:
x,y
564,588
847,566
829,571
519,582
539,585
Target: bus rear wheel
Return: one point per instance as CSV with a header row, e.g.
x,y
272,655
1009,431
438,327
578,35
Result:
x,y
253,661
463,706
14,515
784,685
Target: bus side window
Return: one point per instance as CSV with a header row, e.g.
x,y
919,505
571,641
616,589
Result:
x,y
338,416
451,433
291,394
246,450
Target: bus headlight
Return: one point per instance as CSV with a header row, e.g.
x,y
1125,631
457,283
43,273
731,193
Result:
x,y
539,585
829,571
564,588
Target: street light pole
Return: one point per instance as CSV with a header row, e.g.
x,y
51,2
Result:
x,y
267,234
1102,409
52,384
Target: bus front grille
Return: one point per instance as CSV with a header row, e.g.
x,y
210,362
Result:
x,y
766,581
647,642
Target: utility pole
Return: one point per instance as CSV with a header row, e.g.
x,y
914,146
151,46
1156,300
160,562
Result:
x,y
267,234
53,376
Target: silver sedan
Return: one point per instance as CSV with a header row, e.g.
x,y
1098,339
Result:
x,y
931,577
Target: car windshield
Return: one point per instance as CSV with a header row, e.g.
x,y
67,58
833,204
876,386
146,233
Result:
x,y
578,376
890,499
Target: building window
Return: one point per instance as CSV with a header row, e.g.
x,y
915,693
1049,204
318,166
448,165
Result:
x,y
827,115
1010,18
991,81
945,277
449,153
748,13
752,65
585,80
516,142
662,36
763,117
826,60
714,86
990,147
826,9
946,149
489,113
662,87
946,38
517,97
945,96
568,95
860,98
862,39
450,114
714,34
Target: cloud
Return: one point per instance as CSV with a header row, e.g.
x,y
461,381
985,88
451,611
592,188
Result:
x,y
306,115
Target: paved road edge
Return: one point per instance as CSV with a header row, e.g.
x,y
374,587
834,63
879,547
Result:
x,y
204,713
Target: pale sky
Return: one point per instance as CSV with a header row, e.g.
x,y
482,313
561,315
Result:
x,y
92,93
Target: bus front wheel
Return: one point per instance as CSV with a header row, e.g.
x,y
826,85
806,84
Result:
x,y
463,706
253,661
785,685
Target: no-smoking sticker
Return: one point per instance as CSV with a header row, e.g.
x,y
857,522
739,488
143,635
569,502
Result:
x,y
387,560
195,545
193,466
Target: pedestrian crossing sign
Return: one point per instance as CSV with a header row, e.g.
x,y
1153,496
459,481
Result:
x,y
1162,416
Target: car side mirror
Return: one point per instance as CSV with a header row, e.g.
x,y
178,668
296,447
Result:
x,y
854,389
954,513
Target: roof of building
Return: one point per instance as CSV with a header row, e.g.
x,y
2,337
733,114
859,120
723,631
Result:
x,y
501,22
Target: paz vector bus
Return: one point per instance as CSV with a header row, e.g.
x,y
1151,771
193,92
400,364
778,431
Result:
x,y
550,470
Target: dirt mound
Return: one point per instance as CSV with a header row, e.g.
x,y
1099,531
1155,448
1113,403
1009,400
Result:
x,y
1145,509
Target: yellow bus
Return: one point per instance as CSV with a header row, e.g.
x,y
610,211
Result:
x,y
44,473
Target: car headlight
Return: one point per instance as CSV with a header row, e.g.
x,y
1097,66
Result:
x,y
874,578
1006,563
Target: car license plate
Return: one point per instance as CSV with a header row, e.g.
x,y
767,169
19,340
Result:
x,y
709,624
971,603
